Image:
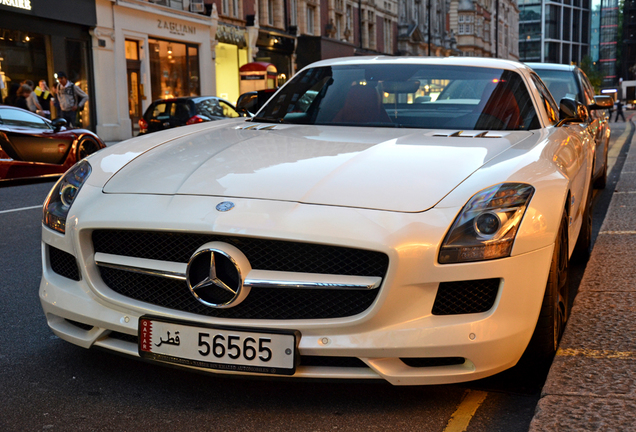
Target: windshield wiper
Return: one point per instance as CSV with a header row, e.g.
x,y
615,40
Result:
x,y
267,120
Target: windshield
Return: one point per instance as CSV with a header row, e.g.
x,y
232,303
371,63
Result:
x,y
561,84
417,96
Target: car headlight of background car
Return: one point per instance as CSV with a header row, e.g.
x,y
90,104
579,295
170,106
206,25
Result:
x,y
487,225
59,201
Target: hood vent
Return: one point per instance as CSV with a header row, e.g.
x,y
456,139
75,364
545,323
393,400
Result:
x,y
257,126
470,134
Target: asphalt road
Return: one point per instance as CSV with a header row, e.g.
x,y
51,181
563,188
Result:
x,y
48,384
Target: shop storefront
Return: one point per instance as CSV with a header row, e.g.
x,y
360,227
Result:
x,y
231,54
277,48
40,37
144,52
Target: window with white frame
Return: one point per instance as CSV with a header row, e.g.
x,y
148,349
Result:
x,y
311,14
371,23
293,12
225,7
350,18
270,12
339,29
461,18
388,39
235,8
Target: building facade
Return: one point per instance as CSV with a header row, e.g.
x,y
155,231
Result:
x,y
39,38
424,28
608,41
554,31
486,28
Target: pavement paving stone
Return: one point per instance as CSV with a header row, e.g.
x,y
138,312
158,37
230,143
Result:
x,y
563,413
598,322
621,274
578,372
627,181
621,214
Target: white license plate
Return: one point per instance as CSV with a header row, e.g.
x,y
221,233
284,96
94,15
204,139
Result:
x,y
240,350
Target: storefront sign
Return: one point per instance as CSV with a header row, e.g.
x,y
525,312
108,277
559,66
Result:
x,y
175,28
20,4
231,35
252,77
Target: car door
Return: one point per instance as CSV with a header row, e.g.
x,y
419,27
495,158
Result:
x,y
31,138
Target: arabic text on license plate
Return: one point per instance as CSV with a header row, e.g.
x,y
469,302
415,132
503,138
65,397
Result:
x,y
240,350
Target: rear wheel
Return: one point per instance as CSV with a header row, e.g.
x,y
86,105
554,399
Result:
x,y
554,309
583,245
85,147
601,181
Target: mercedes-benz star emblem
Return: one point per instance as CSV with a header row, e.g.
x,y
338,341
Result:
x,y
214,276
225,206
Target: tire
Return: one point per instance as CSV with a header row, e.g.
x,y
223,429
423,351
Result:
x,y
554,309
85,147
601,181
583,246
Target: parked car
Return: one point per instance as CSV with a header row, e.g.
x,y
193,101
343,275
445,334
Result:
x,y
32,146
343,232
249,103
170,113
571,82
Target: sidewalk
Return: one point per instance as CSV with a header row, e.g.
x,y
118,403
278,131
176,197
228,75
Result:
x,y
592,382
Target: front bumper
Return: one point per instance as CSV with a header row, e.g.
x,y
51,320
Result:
x,y
398,325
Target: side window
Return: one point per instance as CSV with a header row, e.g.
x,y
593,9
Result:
x,y
587,87
550,105
228,111
11,117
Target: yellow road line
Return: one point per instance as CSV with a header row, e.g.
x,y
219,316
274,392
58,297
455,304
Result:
x,y
596,354
465,411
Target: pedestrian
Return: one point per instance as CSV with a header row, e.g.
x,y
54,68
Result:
x,y
32,99
12,96
619,110
71,99
43,93
23,94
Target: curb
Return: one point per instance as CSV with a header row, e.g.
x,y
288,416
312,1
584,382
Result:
x,y
591,385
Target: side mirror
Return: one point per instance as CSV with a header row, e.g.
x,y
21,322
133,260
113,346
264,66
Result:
x,y
58,124
602,102
571,111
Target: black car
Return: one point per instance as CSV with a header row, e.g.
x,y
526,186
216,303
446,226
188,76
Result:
x,y
169,113
567,81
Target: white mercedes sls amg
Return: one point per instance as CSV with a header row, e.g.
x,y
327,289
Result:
x,y
406,219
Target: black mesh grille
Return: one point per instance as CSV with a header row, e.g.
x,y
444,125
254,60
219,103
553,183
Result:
x,y
261,303
63,263
263,254
464,297
433,361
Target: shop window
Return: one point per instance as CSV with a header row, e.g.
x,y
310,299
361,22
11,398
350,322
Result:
x,y
23,57
77,72
174,69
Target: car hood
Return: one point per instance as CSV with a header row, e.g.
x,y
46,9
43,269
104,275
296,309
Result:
x,y
406,170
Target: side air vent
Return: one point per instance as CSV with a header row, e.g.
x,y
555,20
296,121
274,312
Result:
x,y
465,297
63,263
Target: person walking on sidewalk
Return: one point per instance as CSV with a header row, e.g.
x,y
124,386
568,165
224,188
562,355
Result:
x,y
71,99
619,110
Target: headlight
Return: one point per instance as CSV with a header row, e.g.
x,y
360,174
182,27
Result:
x,y
59,201
486,227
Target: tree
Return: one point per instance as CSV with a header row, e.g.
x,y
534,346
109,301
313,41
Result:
x,y
593,73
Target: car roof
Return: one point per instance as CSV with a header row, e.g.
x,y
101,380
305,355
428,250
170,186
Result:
x,y
486,62
551,66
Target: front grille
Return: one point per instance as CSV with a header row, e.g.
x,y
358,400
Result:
x,y
261,303
263,254
433,361
465,297
63,263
